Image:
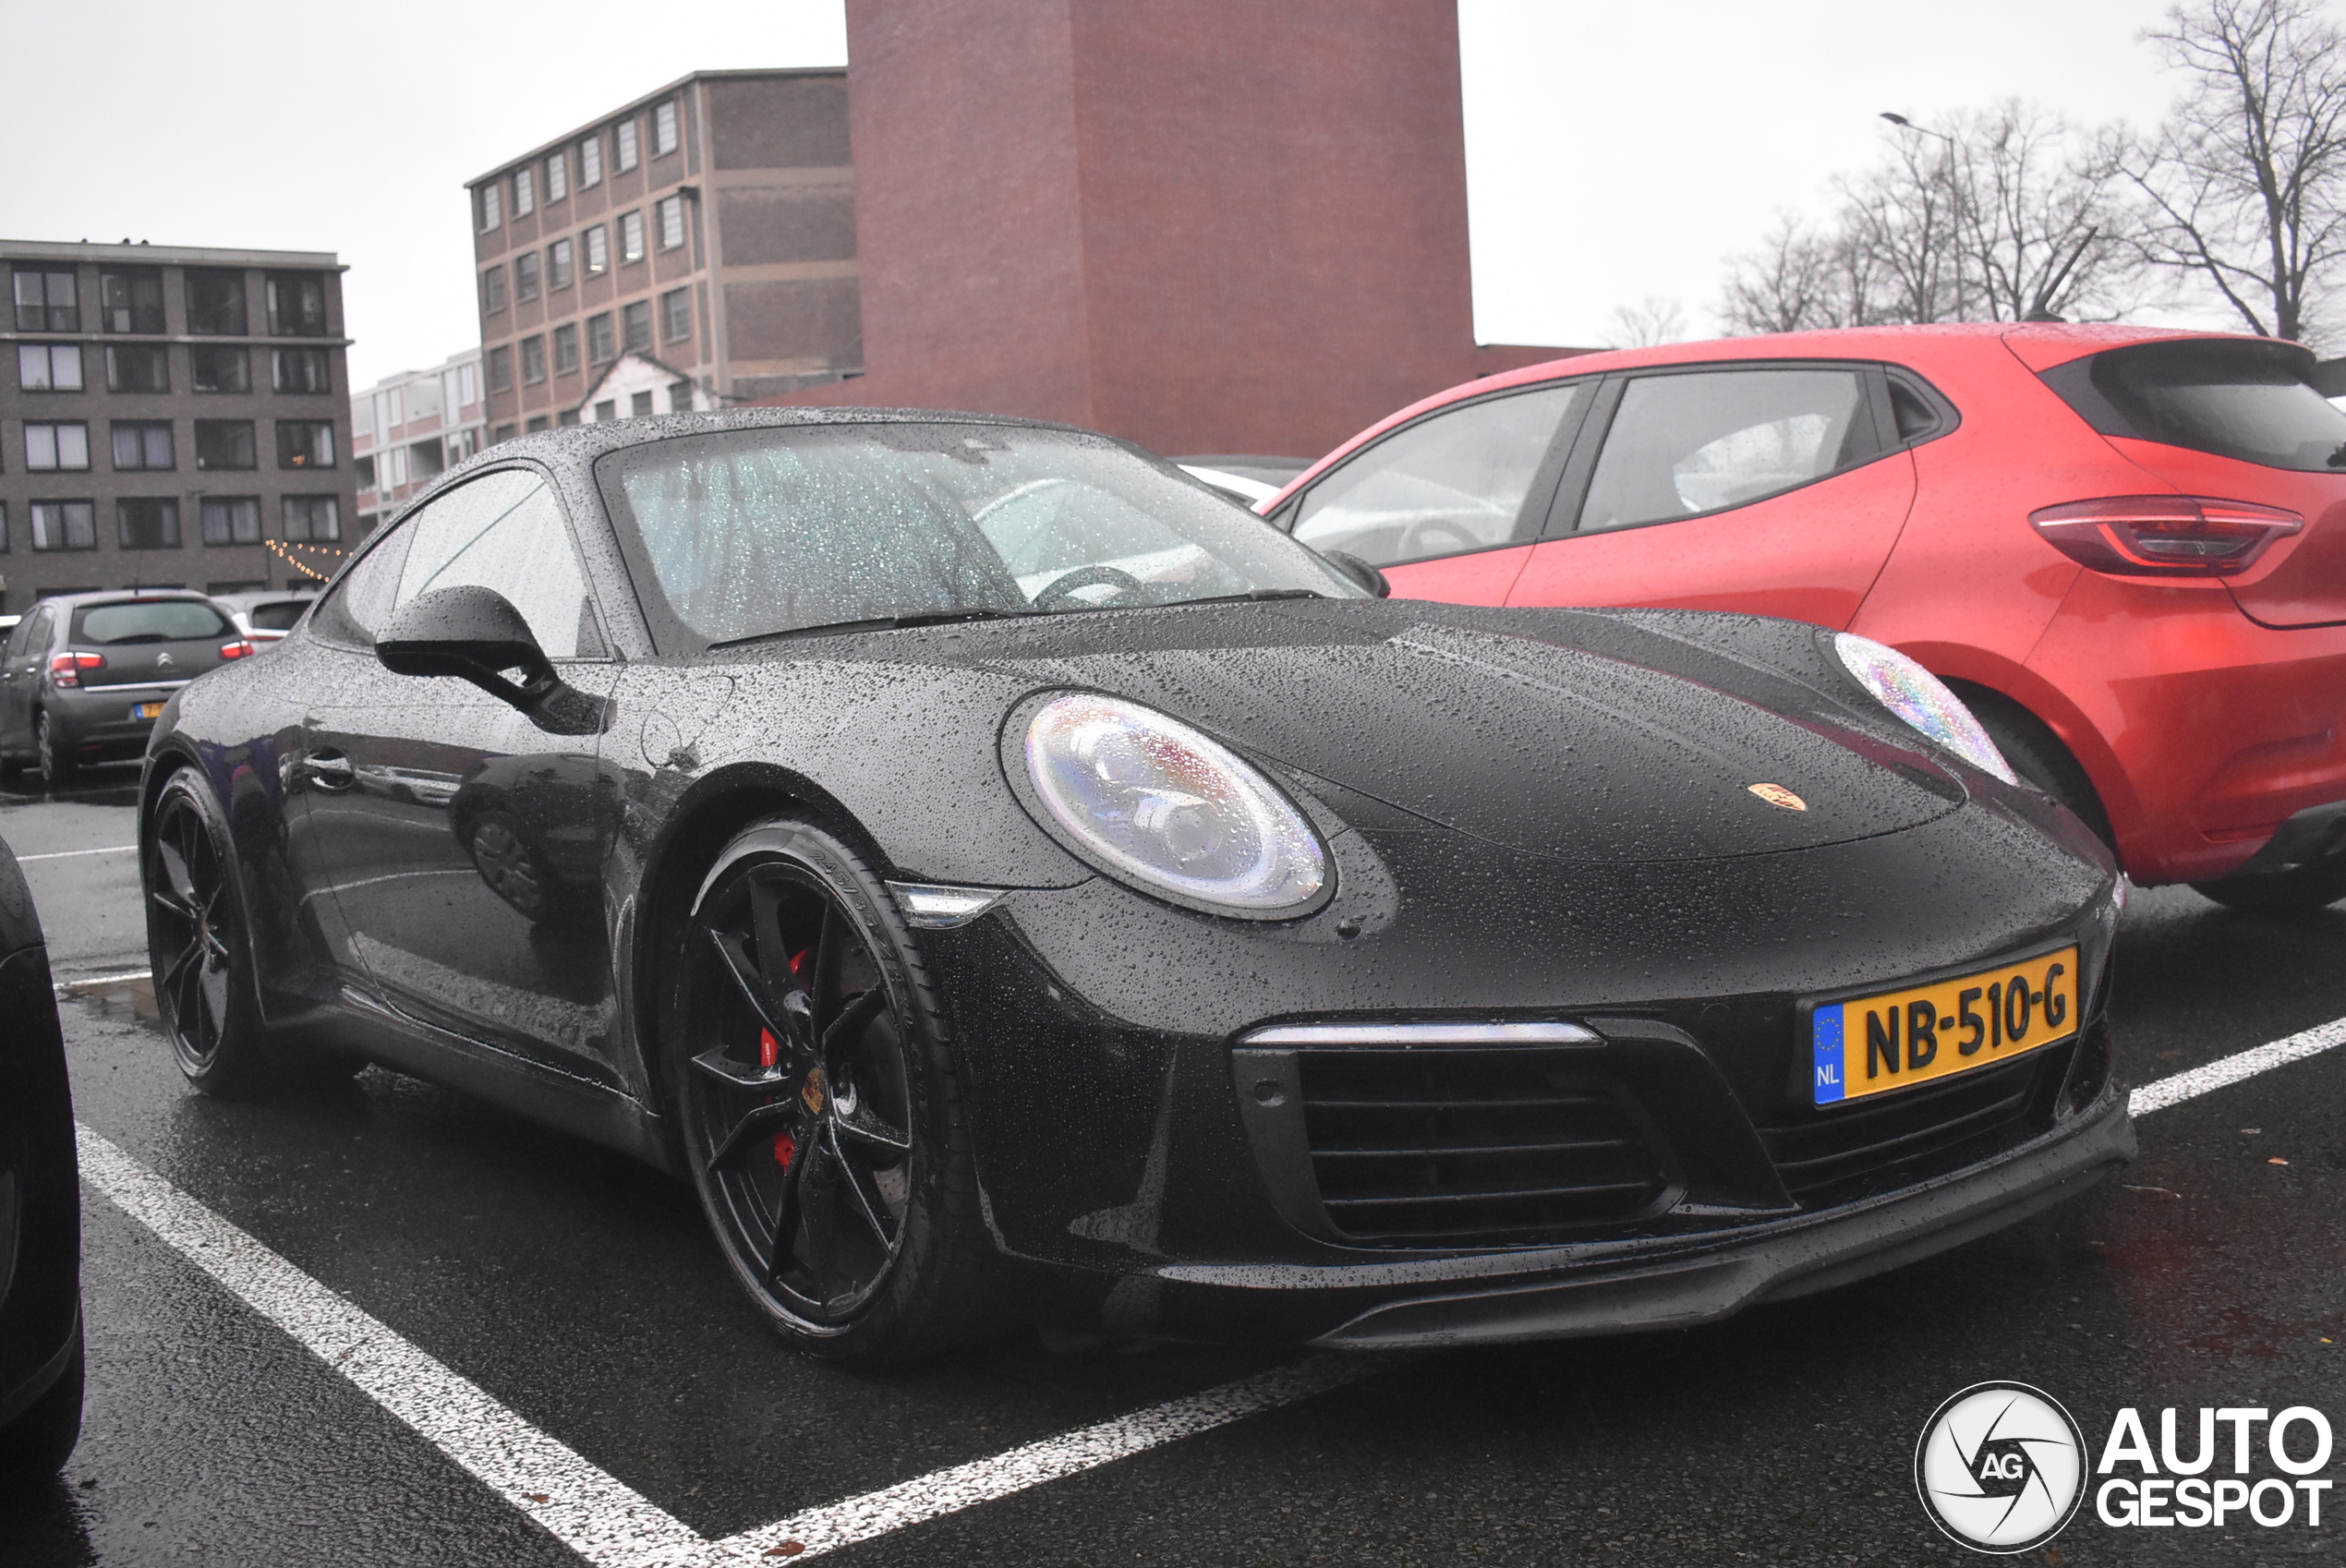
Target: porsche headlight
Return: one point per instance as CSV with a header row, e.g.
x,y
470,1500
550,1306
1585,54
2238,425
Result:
x,y
1150,800
1922,699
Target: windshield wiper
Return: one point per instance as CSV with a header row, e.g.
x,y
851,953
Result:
x,y
1250,595
876,623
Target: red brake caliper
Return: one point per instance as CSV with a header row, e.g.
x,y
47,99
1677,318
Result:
x,y
768,1050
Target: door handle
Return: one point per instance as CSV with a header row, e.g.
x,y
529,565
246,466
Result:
x,y
329,770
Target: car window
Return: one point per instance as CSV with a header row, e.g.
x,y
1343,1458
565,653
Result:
x,y
277,617
1685,444
26,630
760,531
154,620
2251,401
1453,482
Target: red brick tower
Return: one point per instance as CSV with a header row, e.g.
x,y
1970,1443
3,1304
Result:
x,y
1210,225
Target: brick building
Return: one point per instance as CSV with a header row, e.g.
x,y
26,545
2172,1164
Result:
x,y
705,234
169,417
406,430
1210,226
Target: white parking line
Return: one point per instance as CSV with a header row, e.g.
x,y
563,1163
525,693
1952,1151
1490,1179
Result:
x,y
612,1525
2191,1084
68,854
73,982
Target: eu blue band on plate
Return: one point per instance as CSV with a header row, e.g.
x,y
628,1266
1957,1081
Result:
x,y
1825,1025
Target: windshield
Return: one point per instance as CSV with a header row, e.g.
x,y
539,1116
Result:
x,y
2247,400
754,532
154,621
277,617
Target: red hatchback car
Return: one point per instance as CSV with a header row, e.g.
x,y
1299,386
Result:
x,y
2125,548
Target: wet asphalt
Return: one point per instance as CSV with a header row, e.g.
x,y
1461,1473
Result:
x,y
581,1290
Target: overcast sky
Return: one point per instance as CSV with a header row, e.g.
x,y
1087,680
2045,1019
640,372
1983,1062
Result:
x,y
1614,152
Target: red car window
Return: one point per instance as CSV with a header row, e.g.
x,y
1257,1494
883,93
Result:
x,y
1453,482
1681,445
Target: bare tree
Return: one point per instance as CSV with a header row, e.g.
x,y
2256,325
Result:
x,y
1998,214
1652,320
2246,179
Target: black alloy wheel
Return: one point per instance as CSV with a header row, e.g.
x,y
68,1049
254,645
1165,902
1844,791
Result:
x,y
202,964
819,1106
56,768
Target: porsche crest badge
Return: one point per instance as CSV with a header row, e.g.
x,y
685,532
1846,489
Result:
x,y
1777,795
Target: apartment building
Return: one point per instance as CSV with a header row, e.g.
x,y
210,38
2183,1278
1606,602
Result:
x,y
407,429
694,248
170,416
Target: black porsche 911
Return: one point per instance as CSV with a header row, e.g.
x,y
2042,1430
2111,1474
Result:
x,y
1011,882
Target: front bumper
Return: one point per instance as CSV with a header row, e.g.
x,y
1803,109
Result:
x,y
1686,1286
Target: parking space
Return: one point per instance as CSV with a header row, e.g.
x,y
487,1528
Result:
x,y
580,1294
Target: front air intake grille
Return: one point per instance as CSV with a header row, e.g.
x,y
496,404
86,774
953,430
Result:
x,y
1453,1146
1910,1135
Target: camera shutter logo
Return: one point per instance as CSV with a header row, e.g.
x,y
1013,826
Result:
x,y
2001,1467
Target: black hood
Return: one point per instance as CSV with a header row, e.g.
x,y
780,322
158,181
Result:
x,y
1551,744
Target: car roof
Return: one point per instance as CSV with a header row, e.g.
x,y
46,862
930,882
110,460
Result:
x,y
2039,345
124,596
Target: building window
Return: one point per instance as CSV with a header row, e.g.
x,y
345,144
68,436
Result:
x,y
501,368
231,520
48,448
525,192
525,276
624,143
635,322
536,423
557,175
3,527
502,433
467,385
138,368
46,302
64,524
216,302
142,444
493,206
565,348
557,265
147,523
130,300
680,397
394,469
300,370
600,347
676,315
598,250
606,411
631,236
492,291
640,406
671,222
217,368
533,359
305,443
664,128
590,162
225,444
312,518
49,367
297,304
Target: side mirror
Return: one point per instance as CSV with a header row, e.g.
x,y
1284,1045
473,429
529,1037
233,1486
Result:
x,y
476,634
1359,571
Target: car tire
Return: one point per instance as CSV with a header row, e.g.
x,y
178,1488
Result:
x,y
2039,757
56,766
36,1445
2303,890
196,942
820,1104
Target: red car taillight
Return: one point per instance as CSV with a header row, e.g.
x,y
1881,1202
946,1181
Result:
x,y
2164,536
66,668
236,650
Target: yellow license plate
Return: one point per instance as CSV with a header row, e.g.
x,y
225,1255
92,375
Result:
x,y
149,710
1871,1045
